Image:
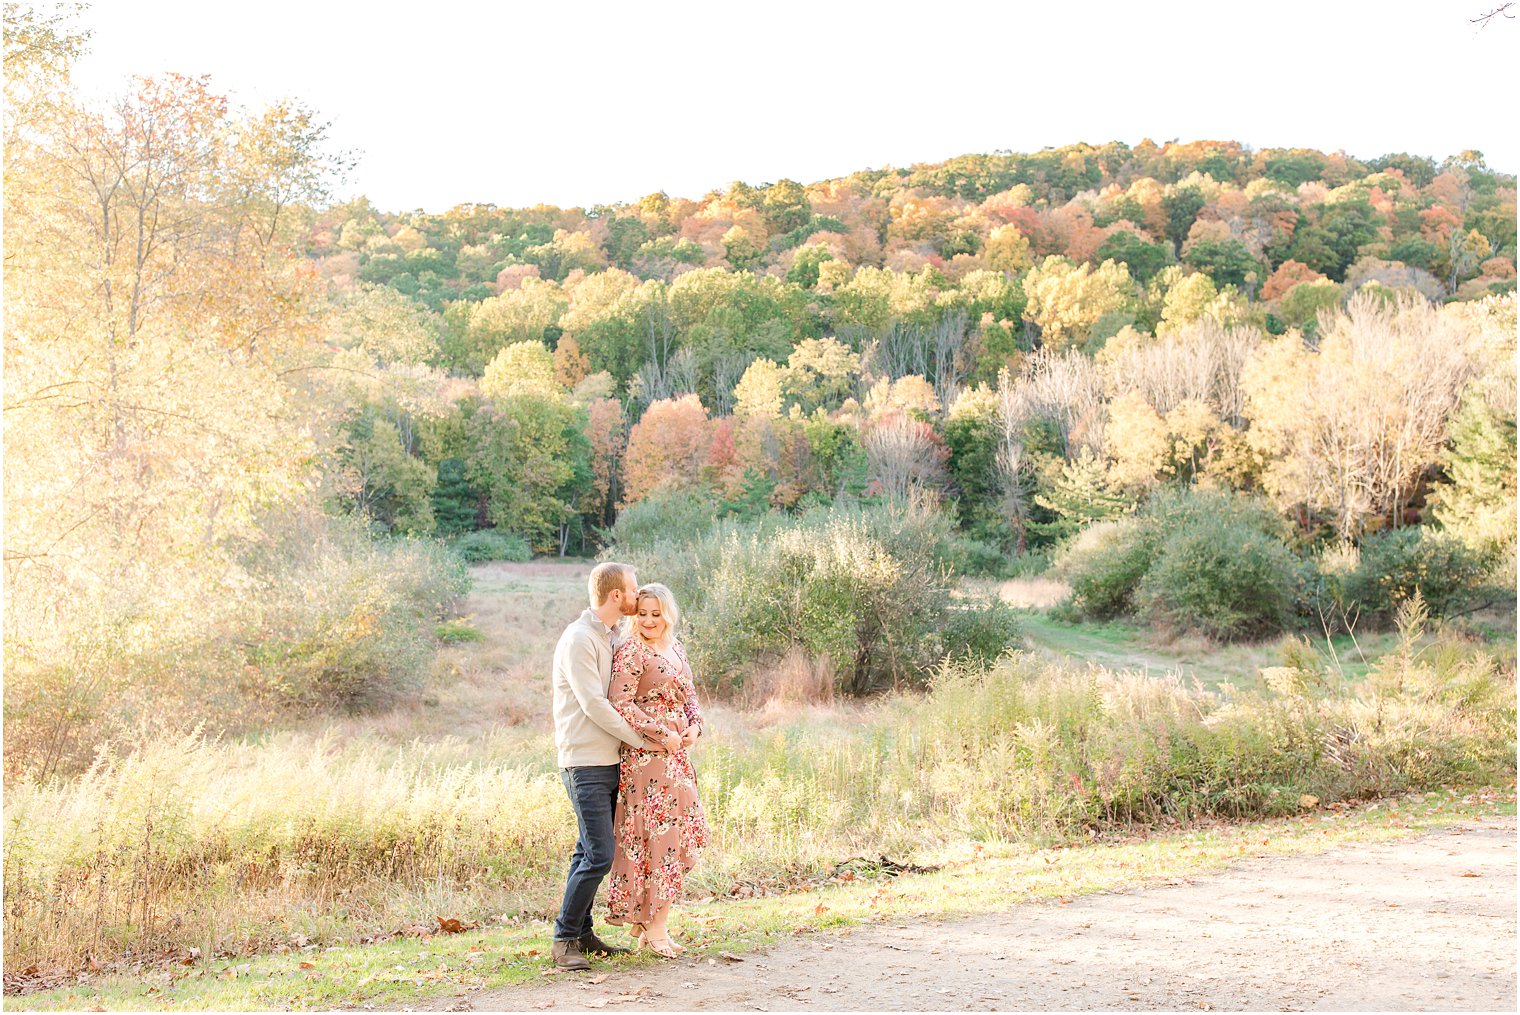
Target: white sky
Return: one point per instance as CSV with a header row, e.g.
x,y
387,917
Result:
x,y
575,103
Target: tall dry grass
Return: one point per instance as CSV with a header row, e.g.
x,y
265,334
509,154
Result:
x,y
189,841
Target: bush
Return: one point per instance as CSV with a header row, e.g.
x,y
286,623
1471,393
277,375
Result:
x,y
1447,572
352,627
1224,578
861,588
1207,561
665,515
1104,564
320,616
980,631
974,557
490,544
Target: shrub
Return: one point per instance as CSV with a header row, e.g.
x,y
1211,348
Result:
x,y
1224,578
668,515
862,588
1104,564
1447,572
490,544
980,631
353,626
974,557
320,616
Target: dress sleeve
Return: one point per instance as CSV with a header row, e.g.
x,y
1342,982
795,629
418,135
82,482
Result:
x,y
689,692
627,666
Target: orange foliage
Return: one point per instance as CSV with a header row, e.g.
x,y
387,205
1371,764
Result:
x,y
667,447
1288,275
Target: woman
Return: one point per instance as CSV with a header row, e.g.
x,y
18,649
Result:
x,y
659,821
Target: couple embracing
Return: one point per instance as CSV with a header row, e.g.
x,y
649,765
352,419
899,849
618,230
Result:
x,y
625,715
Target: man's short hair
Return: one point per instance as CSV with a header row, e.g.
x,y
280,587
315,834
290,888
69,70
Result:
x,y
605,577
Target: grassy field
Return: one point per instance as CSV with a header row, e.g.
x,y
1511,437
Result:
x,y
251,857
424,967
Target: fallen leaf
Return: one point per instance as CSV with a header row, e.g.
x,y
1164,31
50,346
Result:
x,y
308,965
730,956
597,1002
600,978
544,1004
1469,874
451,926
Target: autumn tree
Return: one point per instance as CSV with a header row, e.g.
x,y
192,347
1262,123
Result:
x,y
1348,428
1066,300
667,447
521,368
904,455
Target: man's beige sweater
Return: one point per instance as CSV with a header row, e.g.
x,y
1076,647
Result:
x,y
587,729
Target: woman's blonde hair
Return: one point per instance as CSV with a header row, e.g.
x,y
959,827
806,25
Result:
x,y
668,608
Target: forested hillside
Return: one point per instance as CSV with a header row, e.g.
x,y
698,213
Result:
x,y
972,327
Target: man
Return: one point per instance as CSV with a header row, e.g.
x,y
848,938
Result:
x,y
588,735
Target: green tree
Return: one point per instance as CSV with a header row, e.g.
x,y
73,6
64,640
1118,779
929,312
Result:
x,y
456,504
530,456
1181,206
1476,500
1227,262
388,484
1142,258
1080,496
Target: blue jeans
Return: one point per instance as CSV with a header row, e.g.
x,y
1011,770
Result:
x,y
593,794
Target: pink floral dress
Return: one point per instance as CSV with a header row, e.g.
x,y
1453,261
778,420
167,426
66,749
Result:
x,y
660,824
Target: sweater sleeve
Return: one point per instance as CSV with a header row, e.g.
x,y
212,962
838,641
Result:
x,y
585,681
627,666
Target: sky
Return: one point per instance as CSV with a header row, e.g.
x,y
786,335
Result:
x,y
582,103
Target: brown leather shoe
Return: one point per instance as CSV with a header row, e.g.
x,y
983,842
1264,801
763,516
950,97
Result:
x,y
593,945
568,955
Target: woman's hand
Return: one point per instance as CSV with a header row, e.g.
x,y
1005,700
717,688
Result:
x,y
690,736
673,742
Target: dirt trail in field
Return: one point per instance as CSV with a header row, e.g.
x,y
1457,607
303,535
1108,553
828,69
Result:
x,y
1425,924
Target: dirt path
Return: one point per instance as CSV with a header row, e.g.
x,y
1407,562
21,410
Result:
x,y
1426,924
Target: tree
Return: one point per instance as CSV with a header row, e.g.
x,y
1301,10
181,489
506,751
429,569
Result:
x,y
1227,262
1080,496
1066,300
456,504
1288,274
530,457
521,368
971,439
1143,259
821,373
667,448
1476,498
389,484
1181,205
607,434
527,314
903,455
760,391
1348,428
571,366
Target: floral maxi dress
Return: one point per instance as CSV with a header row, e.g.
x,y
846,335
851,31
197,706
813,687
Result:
x,y
660,827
